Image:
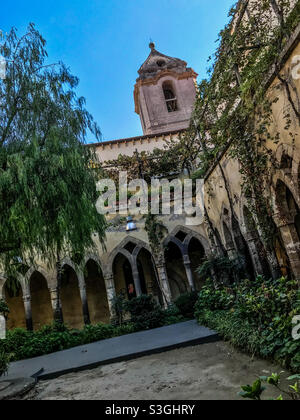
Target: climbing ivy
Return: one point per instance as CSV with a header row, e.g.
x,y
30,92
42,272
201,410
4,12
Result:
x,y
178,155
234,108
156,232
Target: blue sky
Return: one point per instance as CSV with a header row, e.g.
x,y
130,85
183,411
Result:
x,y
104,42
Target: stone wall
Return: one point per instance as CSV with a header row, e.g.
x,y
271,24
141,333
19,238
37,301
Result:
x,y
285,174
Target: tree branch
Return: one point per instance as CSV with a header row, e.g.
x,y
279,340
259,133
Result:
x,y
277,11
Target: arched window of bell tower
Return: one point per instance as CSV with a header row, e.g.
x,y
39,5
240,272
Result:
x,y
170,97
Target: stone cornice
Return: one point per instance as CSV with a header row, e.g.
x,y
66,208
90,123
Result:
x,y
138,139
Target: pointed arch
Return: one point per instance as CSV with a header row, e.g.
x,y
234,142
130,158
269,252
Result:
x,y
176,272
228,239
42,313
41,271
122,269
70,296
287,220
188,235
15,303
148,274
94,257
96,293
121,249
170,96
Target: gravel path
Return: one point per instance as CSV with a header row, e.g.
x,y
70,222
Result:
x,y
204,372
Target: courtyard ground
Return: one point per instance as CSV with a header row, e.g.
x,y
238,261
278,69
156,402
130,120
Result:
x,y
204,372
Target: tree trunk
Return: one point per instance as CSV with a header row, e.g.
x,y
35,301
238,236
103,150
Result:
x,y
58,316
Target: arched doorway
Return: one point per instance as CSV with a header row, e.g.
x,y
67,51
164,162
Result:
x,y
197,257
41,308
255,244
148,279
289,215
282,256
176,271
70,299
123,276
96,293
14,298
293,211
243,250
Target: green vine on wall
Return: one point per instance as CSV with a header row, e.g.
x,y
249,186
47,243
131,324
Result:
x,y
234,109
156,232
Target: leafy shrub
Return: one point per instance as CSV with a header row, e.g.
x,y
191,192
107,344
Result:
x,y
214,299
255,316
52,338
186,304
4,309
254,391
119,305
4,362
145,312
223,267
172,315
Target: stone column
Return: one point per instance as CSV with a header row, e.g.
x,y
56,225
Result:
x,y
84,302
251,241
231,252
2,327
163,281
136,279
273,263
56,305
291,242
2,322
189,273
28,312
111,293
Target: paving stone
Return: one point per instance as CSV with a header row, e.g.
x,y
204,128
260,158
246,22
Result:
x,y
112,350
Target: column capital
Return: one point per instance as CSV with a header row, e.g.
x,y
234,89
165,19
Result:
x,y
186,260
250,237
82,287
283,220
159,261
108,276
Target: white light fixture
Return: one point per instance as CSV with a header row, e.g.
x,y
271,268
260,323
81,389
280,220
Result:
x,y
130,224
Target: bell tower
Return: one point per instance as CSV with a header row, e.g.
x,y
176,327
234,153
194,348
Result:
x,y
164,93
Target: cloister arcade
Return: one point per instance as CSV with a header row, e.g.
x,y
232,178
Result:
x,y
87,290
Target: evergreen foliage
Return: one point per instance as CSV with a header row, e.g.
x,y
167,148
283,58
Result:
x,y
47,173
255,317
